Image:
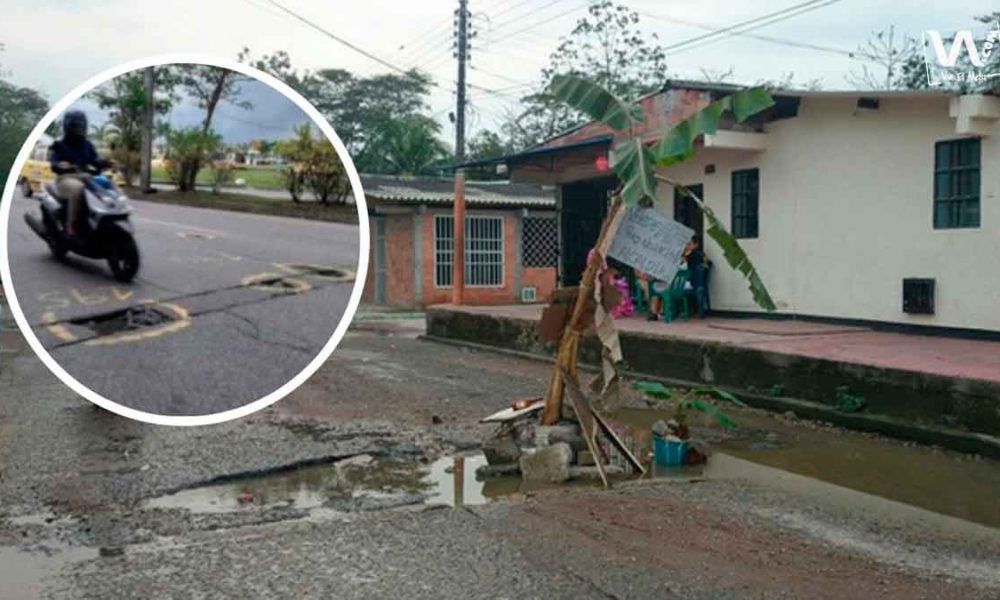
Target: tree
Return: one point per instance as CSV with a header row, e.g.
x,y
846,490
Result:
x,y
886,56
20,110
635,164
187,150
124,97
485,145
607,47
313,163
365,111
412,147
211,85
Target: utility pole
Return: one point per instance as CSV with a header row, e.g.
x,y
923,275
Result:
x,y
458,221
146,166
462,53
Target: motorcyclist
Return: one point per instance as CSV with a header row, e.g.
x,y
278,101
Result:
x,y
71,158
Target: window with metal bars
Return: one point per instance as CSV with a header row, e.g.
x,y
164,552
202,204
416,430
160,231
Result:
x,y
539,241
444,250
484,264
745,197
956,183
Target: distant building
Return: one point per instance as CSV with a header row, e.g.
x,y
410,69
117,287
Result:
x,y
510,253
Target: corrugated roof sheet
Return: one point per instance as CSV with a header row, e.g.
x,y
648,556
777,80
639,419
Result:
x,y
431,190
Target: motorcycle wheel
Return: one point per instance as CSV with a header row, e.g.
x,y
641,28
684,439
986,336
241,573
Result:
x,y
124,261
58,250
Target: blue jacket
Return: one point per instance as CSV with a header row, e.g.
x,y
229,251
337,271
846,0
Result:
x,y
80,153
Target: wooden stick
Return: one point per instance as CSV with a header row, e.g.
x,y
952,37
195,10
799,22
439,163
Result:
x,y
615,441
566,356
586,419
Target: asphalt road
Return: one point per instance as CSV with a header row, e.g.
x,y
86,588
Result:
x,y
75,522
238,305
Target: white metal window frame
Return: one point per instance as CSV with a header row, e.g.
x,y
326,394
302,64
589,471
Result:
x,y
502,264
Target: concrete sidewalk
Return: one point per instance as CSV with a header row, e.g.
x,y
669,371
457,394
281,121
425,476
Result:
x,y
931,389
934,355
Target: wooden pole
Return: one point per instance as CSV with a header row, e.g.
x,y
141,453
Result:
x,y
458,240
567,355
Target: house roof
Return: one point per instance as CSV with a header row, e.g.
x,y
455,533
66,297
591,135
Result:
x,y
441,191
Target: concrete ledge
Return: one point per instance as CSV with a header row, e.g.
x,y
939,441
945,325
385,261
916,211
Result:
x,y
959,413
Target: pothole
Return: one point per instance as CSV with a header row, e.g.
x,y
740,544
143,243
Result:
x,y
321,271
356,484
126,320
275,284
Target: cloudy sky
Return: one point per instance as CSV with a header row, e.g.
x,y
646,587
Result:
x,y
55,44
270,116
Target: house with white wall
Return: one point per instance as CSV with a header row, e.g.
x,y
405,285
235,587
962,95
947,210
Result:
x,y
876,207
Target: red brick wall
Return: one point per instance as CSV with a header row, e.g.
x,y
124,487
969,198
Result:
x,y
400,290
542,278
399,272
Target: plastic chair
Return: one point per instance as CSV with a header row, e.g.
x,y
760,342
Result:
x,y
674,298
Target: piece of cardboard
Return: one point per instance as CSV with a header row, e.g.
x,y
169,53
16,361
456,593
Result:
x,y
651,242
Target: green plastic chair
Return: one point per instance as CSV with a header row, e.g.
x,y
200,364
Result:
x,y
674,299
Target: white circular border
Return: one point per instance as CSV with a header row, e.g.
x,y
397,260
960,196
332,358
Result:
x,y
186,421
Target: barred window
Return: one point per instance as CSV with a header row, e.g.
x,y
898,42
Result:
x,y
484,265
956,183
444,250
745,192
539,241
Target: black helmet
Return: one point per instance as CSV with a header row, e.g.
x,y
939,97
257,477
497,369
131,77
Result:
x,y
75,124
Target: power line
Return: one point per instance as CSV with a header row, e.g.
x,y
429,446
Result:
x,y
522,16
358,49
764,38
749,24
543,22
337,38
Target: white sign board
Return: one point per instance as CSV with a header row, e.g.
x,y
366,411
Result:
x,y
651,242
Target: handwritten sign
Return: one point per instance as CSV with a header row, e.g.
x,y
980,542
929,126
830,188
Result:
x,y
650,241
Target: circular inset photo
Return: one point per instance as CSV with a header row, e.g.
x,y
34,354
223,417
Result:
x,y
186,240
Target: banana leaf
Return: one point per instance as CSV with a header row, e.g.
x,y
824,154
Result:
x,y
633,163
595,101
719,394
713,411
653,388
678,144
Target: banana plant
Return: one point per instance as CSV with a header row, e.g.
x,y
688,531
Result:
x,y
635,162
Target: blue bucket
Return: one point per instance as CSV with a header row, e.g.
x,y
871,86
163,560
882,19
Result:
x,y
669,453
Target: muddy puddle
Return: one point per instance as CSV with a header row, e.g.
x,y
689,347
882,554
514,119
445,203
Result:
x,y
347,486
24,572
941,481
762,448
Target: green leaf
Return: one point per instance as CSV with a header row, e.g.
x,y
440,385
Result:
x,y
633,163
678,143
720,394
594,100
734,254
653,388
715,412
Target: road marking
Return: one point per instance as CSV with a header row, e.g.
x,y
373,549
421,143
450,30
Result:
x,y
57,329
182,322
201,230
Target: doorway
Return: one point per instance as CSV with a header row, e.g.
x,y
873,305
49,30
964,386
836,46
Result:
x,y
583,208
686,210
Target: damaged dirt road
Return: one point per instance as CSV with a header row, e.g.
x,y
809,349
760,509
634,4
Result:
x,y
331,494
227,306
